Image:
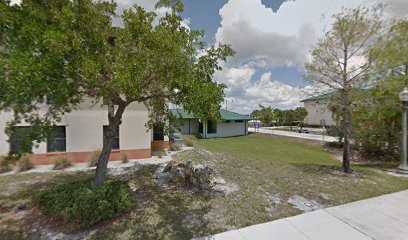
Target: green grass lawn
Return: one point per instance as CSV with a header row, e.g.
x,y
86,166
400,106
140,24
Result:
x,y
268,170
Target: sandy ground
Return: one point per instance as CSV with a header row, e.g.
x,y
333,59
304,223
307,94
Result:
x,y
117,165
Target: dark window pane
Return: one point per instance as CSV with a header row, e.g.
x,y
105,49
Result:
x,y
115,142
211,127
57,140
239,120
19,140
158,133
200,127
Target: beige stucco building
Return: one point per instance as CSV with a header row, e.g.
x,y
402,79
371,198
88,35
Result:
x,y
318,110
80,133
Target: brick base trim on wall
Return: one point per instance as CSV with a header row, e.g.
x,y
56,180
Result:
x,y
157,145
84,157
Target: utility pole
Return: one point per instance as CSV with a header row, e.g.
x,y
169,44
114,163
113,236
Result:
x,y
226,103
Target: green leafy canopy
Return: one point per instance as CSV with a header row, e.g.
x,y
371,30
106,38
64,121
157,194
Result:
x,y
68,50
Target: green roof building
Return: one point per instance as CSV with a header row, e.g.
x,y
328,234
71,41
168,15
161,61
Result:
x,y
233,124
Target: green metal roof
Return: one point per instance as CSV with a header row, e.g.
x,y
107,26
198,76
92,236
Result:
x,y
226,115
320,97
181,113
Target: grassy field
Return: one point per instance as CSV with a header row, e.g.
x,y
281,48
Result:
x,y
268,171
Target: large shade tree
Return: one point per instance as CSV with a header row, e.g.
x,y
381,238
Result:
x,y
378,119
68,50
342,61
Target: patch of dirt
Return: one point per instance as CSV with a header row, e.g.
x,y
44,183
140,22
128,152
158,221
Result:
x,y
13,215
124,172
304,204
48,233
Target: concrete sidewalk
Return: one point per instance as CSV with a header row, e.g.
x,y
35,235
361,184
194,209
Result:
x,y
294,134
380,218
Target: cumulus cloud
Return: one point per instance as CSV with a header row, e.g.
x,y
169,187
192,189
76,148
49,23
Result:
x,y
266,49
148,5
265,40
247,92
275,39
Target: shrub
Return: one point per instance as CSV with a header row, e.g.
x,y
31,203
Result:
x,y
80,205
188,142
160,153
62,163
333,131
24,164
125,158
334,145
174,147
94,158
4,165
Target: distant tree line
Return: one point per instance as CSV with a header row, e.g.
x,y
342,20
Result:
x,y
270,116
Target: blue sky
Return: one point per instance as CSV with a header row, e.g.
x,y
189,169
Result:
x,y
205,14
272,40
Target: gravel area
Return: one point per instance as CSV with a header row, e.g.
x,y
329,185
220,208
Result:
x,y
116,165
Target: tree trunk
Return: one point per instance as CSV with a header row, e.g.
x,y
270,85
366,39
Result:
x,y
102,165
346,139
115,120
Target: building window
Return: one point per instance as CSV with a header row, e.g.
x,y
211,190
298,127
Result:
x,y
200,127
228,121
211,127
57,141
115,142
239,120
158,133
19,140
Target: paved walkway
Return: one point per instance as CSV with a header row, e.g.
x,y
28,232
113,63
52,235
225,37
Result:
x,y
294,134
380,218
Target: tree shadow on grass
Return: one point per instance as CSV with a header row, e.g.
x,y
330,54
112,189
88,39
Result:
x,y
173,216
185,220
318,168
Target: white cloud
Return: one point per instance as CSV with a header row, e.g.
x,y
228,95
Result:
x,y
148,5
398,8
275,39
247,93
265,40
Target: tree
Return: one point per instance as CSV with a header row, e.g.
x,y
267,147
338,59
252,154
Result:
x,y
278,115
392,51
290,117
300,113
68,50
265,114
255,114
342,61
378,112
